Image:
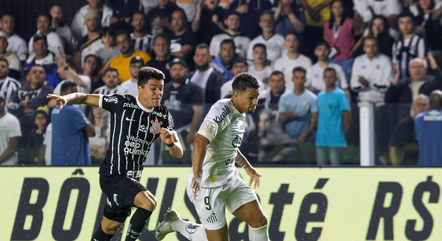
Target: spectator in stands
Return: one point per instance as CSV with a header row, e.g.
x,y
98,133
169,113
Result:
x,y
25,101
386,8
70,132
372,74
261,67
68,74
162,13
298,110
239,65
13,61
55,44
109,49
91,42
338,32
403,138
91,67
207,21
16,44
273,41
333,121
249,12
429,20
10,134
161,49
62,29
99,143
30,152
428,126
223,61
122,62
289,18
315,82
205,76
404,90
183,40
8,85
111,81
184,100
130,86
242,42
44,58
123,10
409,46
291,59
78,26
142,40
271,96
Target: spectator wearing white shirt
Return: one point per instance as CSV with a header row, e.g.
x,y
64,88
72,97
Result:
x,y
142,41
13,61
8,85
273,41
315,81
55,44
10,134
130,86
242,42
387,8
78,26
372,73
91,42
16,44
261,67
62,29
291,59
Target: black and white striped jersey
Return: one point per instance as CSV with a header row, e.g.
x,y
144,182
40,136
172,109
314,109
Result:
x,y
133,130
7,87
103,90
144,43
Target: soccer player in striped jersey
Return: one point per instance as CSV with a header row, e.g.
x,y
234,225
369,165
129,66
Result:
x,y
135,124
214,183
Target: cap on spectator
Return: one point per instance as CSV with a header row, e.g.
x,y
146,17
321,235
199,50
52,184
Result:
x,y
178,61
38,37
42,110
91,14
137,59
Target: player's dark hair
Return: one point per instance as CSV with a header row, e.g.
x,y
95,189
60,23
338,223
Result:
x,y
299,69
243,81
110,69
65,87
227,41
4,60
147,73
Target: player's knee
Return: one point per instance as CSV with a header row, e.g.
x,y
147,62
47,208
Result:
x,y
259,222
110,228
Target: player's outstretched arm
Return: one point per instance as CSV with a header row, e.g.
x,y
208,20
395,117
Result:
x,y
76,98
171,140
250,170
199,151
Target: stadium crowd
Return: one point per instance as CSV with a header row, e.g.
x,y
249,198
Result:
x,y
316,60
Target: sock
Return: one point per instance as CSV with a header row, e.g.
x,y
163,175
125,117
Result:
x,y
259,234
99,235
137,223
192,231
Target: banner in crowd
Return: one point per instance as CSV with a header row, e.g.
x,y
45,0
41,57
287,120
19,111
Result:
x,y
331,204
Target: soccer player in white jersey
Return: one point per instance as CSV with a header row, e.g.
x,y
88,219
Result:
x,y
214,183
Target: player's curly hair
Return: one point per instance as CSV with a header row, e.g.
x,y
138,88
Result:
x,y
243,81
147,73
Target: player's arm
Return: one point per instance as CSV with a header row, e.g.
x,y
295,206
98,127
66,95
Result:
x,y
171,140
76,98
199,151
254,175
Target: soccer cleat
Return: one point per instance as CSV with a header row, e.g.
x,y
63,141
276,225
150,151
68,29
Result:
x,y
165,226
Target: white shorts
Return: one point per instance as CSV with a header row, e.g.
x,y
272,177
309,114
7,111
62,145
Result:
x,y
211,202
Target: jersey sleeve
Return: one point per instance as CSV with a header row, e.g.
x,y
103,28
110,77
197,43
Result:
x,y
112,103
212,123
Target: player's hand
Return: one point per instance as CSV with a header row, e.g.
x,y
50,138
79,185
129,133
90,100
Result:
x,y
59,99
166,136
254,176
196,185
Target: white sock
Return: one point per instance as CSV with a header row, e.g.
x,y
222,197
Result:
x,y
259,234
191,231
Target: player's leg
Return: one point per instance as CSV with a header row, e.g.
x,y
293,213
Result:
x,y
106,230
173,223
145,202
252,214
218,234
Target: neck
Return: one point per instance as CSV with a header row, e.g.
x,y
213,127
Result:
x,y
293,55
38,57
9,34
235,104
129,53
92,35
299,89
277,93
176,85
161,58
371,57
330,89
34,85
338,20
109,88
181,32
138,34
135,80
231,31
203,68
267,35
144,104
108,47
323,63
408,35
259,66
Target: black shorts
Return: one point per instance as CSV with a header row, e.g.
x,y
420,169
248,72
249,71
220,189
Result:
x,y
120,191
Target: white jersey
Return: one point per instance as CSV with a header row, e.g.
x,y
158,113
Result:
x,y
17,45
9,128
224,127
286,65
241,44
274,45
315,76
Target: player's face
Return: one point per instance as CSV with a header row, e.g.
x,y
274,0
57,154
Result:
x,y
151,92
134,68
246,100
329,79
160,47
298,78
8,24
110,79
3,69
138,22
259,55
322,52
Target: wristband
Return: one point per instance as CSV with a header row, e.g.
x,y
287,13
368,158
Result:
x,y
171,144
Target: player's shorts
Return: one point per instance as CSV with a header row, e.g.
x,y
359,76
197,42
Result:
x,y
211,202
120,191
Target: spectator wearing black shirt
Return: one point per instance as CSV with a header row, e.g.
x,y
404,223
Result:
x,y
161,49
182,40
207,21
249,12
123,10
162,11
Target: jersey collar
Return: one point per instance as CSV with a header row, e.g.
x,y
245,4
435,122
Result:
x,y
142,107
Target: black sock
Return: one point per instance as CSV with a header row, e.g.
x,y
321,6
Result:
x,y
137,223
99,235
